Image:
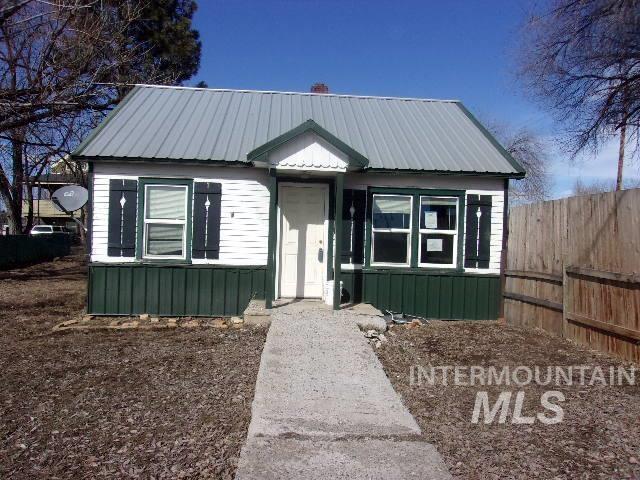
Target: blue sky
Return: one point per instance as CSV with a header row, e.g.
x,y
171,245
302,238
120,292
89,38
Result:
x,y
455,49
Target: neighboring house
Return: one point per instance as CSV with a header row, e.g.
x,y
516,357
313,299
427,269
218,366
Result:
x,y
202,199
44,213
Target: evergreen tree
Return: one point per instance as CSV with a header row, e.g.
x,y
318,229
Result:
x,y
173,45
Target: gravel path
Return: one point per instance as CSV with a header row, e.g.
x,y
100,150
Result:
x,y
324,408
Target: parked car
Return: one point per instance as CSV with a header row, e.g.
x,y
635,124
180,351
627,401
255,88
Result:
x,y
42,229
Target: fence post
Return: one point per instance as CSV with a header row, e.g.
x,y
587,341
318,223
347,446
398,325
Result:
x,y
566,297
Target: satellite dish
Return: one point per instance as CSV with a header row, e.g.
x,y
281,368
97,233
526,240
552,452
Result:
x,y
70,198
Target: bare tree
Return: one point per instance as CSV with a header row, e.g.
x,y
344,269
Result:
x,y
63,65
581,58
51,56
583,187
530,151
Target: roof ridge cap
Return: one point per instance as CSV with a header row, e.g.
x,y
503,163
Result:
x,y
376,97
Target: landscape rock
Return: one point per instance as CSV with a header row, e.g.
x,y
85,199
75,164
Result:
x,y
144,317
190,324
367,322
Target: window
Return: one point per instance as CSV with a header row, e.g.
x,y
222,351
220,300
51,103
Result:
x,y
165,221
391,229
438,231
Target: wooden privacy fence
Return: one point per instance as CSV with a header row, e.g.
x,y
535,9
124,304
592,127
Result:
x,y
573,269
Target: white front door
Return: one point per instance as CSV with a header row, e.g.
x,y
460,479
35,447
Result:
x,y
302,237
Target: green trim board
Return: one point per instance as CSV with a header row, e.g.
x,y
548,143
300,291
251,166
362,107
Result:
x,y
458,173
89,221
436,295
356,159
273,239
331,231
173,290
243,164
415,230
339,190
179,161
142,182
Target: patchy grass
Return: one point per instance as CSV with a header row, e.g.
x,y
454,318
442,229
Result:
x,y
600,434
126,404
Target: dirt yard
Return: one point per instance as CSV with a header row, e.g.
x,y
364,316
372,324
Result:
x,y
127,404
600,434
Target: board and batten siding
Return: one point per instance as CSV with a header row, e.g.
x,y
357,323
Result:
x,y
244,217
471,185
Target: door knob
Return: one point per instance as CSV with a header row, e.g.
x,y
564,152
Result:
x,y
320,255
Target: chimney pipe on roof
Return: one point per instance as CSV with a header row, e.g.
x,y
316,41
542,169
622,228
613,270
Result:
x,y
319,88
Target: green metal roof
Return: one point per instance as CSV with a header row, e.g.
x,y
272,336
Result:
x,y
205,125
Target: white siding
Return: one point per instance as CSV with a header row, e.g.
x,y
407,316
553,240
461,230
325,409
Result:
x,y
472,185
308,152
244,223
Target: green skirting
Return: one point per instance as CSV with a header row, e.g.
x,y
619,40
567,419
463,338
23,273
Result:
x,y
446,296
173,290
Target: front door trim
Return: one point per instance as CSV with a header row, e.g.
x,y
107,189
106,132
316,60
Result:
x,y
324,186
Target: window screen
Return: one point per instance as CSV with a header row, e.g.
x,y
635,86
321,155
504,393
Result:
x,y
165,221
391,229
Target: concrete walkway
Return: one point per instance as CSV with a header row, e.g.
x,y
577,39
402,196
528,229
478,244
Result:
x,y
324,408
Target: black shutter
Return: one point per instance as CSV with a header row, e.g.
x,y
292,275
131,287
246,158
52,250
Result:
x,y
478,234
206,221
123,200
353,246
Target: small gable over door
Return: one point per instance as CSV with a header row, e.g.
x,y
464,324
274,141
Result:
x,y
308,147
308,152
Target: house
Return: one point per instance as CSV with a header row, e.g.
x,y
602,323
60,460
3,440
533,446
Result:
x,y
202,199
44,211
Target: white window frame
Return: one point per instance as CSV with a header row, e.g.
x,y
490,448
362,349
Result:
x,y
424,231
392,230
153,221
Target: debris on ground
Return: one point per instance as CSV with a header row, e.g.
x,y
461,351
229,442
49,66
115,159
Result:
x,y
375,338
599,436
399,318
172,403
